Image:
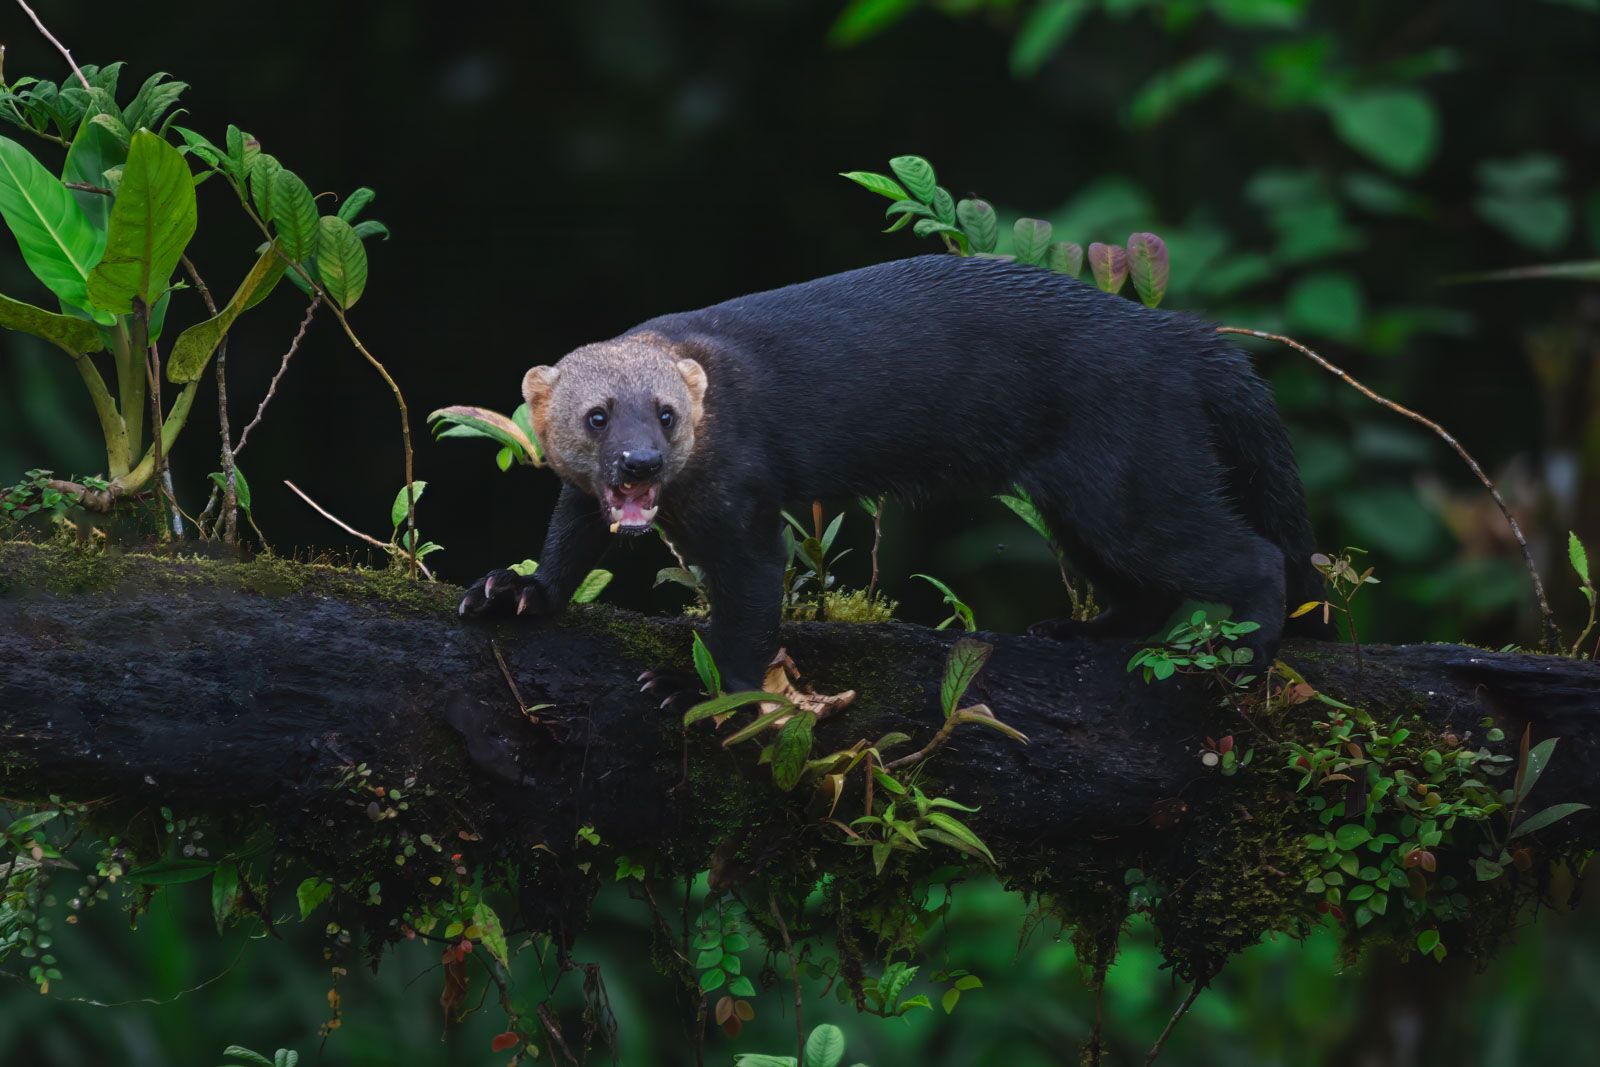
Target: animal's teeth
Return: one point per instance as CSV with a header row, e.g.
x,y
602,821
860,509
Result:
x,y
627,485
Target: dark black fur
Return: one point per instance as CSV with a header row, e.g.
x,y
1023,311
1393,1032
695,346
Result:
x,y
1148,442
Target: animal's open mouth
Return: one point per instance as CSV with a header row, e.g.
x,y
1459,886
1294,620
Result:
x,y
632,506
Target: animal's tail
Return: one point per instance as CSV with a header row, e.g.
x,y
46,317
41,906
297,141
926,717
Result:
x,y
1265,479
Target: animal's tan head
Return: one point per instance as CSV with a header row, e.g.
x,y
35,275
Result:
x,y
619,419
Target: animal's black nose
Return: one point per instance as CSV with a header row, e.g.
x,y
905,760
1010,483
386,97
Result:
x,y
641,463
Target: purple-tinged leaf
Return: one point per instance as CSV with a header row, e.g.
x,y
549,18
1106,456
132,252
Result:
x,y
1149,266
1109,265
1065,257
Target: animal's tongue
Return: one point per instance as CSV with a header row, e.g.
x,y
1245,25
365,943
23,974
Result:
x,y
633,511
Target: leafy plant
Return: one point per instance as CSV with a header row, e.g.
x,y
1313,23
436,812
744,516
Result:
x,y
971,227
1579,558
959,611
718,940
106,236
239,1056
1203,643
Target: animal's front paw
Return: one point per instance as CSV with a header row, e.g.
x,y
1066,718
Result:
x,y
506,592
678,690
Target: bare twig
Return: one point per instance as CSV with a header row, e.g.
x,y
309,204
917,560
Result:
x,y
388,548
230,491
59,46
152,370
505,671
272,387
85,187
1172,1023
1551,634
877,542
794,971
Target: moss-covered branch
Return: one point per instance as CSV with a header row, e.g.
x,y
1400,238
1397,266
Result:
x,y
302,698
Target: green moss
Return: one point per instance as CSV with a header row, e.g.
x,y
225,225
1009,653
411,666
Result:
x,y
845,605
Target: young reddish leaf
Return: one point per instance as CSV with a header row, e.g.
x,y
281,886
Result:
x,y
501,1042
1109,265
1149,265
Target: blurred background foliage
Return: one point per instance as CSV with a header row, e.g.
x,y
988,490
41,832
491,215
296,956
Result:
x,y
554,173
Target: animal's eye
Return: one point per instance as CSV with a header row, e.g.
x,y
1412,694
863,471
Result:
x,y
668,417
596,419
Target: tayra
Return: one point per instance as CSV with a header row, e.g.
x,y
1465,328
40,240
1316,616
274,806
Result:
x,y
1147,442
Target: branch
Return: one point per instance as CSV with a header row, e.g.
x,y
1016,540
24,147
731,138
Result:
x,y
251,692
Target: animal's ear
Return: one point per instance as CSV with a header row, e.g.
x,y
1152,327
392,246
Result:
x,y
537,386
694,376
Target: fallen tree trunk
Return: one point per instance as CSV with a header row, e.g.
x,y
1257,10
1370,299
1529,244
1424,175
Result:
x,y
304,697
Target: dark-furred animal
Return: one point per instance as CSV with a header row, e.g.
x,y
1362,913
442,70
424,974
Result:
x,y
1148,443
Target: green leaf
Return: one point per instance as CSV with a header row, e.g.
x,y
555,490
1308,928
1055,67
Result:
x,y
1149,266
1327,302
1351,835
72,335
239,1052
1048,24
1428,940
1174,86
948,1001
881,184
294,215
1579,557
760,723
371,228
241,488
958,830
58,243
723,703
593,584
1554,813
1065,257
705,667
171,872
224,893
917,174
491,932
465,421
712,979
264,168
1397,128
742,987
1031,238
341,261
944,205
192,350
152,221
1109,265
863,18
1022,504
1538,759
980,224
397,510
355,202
94,151
791,750
152,100
967,658
310,894
29,823
825,1046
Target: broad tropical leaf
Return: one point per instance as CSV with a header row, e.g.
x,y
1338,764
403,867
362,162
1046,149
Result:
x,y
151,223
194,346
58,243
72,335
294,215
94,151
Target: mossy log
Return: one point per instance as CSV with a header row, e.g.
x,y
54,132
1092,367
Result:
x,y
283,694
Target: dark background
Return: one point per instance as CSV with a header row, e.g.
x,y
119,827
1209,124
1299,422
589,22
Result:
x,y
553,174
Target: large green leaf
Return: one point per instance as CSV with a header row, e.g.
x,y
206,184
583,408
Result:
x,y
94,151
341,261
72,335
294,215
264,170
151,223
194,346
59,245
